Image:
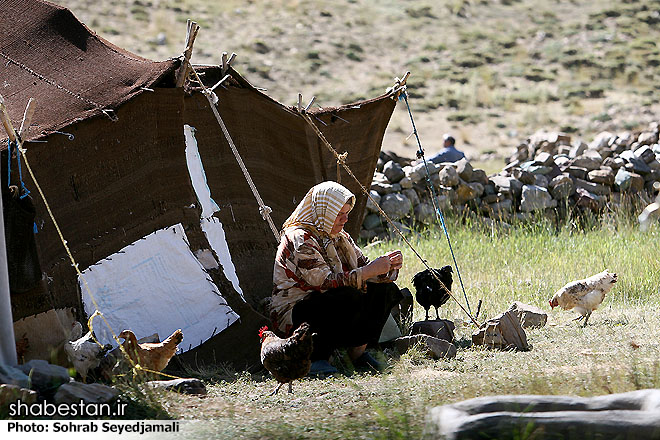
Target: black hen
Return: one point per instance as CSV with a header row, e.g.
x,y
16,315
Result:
x,y
429,292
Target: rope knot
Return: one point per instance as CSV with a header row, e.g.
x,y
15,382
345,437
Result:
x,y
341,158
265,211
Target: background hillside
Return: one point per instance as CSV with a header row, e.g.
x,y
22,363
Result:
x,y
491,72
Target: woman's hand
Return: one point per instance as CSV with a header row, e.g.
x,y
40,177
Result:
x,y
396,259
379,266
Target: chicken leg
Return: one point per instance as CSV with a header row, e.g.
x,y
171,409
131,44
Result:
x,y
280,386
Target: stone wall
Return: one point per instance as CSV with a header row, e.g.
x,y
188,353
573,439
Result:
x,y
549,175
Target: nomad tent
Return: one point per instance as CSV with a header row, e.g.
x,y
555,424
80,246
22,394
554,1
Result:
x,y
145,188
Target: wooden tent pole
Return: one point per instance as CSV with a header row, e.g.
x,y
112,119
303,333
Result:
x,y
183,71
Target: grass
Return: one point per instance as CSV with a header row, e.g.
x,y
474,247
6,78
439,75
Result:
x,y
616,352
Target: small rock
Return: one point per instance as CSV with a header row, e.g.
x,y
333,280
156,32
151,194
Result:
x,y
605,175
448,176
535,198
406,183
393,171
645,153
434,347
184,386
464,169
424,213
507,184
12,393
540,180
592,187
504,331
647,138
371,207
46,378
372,221
524,176
544,159
396,205
382,188
499,209
530,316
577,172
438,328
602,140
74,392
577,149
562,188
13,376
465,192
414,198
479,176
589,200
588,161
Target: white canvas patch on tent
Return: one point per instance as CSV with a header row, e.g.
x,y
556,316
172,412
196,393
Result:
x,y
215,235
197,175
156,285
212,227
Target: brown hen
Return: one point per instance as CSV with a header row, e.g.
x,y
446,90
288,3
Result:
x,y
152,356
286,359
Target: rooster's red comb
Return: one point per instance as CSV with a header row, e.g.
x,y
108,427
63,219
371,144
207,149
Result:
x,y
262,330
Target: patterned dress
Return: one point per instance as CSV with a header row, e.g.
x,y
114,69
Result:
x,y
307,263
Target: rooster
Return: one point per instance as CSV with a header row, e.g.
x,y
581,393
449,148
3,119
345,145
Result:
x,y
151,355
429,292
584,295
286,359
83,351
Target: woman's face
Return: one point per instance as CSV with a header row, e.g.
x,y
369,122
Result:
x,y
341,219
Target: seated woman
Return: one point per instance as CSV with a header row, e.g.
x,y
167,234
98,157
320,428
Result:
x,y
321,277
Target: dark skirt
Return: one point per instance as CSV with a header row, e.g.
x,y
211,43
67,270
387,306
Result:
x,y
345,316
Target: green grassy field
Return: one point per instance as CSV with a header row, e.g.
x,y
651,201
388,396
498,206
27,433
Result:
x,y
618,351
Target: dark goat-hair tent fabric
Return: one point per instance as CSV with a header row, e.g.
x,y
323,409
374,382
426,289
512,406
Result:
x,y
47,54
119,180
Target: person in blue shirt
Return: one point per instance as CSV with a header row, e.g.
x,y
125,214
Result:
x,y
449,153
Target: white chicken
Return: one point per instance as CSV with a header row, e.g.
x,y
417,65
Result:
x,y
584,296
83,352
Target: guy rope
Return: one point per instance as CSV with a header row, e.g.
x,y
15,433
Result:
x,y
398,88
17,141
434,198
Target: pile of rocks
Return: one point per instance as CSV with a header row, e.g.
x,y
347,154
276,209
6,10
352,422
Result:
x,y
547,174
